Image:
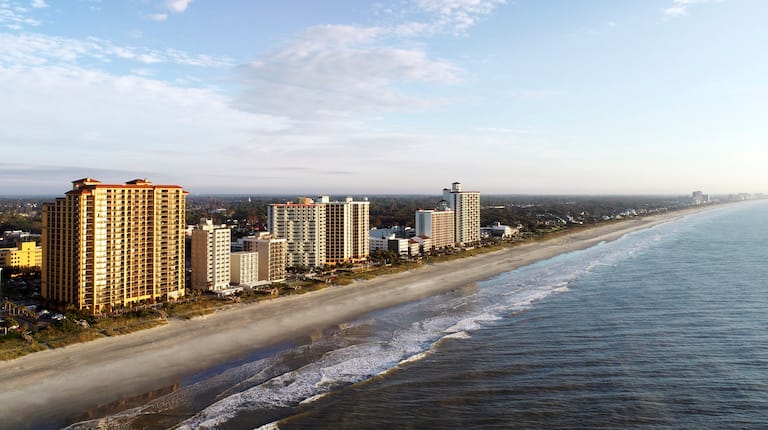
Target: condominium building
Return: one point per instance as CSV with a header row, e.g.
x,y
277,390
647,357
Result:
x,y
347,225
107,245
26,254
466,209
273,253
210,256
244,268
437,225
303,226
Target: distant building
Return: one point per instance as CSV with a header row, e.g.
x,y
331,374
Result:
x,y
699,198
466,209
499,230
106,246
26,254
438,225
303,225
210,256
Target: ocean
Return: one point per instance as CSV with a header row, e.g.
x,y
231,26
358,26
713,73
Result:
x,y
663,328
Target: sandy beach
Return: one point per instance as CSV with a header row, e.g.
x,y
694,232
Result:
x,y
63,383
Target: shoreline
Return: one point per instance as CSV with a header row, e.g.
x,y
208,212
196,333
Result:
x,y
55,385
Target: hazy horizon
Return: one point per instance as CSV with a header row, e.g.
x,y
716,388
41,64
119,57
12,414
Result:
x,y
586,97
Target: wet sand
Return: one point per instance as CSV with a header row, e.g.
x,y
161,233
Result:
x,y
56,385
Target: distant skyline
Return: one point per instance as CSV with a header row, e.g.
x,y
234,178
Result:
x,y
388,97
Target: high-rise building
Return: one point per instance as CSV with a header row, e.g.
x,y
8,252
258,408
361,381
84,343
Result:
x,y
107,246
302,224
437,225
347,230
210,256
466,208
273,252
26,254
244,268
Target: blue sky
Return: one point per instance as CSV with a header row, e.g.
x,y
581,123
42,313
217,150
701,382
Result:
x,y
406,96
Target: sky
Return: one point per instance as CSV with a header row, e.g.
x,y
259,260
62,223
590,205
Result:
x,y
402,96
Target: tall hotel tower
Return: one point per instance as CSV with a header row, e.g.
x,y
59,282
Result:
x,y
210,256
347,226
106,246
302,224
466,209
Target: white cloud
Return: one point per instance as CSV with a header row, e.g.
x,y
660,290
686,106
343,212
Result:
x,y
38,49
160,17
15,17
457,15
119,122
682,7
336,70
177,6
39,4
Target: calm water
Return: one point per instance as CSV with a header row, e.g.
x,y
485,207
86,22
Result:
x,y
664,328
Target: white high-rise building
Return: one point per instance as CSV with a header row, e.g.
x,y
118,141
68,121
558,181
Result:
x,y
210,256
244,268
302,225
347,224
466,208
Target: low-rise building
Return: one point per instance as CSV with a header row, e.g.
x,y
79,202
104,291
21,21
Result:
x,y
26,254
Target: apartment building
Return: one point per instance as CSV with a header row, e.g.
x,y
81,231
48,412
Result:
x,y
210,249
112,245
466,209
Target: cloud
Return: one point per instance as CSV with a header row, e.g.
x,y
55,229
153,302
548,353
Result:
x,y
39,49
682,7
334,70
457,15
39,4
15,17
177,6
159,17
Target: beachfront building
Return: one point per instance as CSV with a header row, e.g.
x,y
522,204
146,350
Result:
x,y
107,246
302,225
346,230
272,254
26,254
244,268
437,225
210,256
466,209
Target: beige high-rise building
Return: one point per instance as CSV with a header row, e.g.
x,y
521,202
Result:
x,y
106,246
466,208
302,224
347,225
210,256
272,254
437,225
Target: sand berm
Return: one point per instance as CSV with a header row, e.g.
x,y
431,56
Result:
x,y
60,383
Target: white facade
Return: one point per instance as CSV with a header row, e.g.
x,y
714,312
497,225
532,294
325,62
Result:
x,y
303,226
210,256
466,207
244,268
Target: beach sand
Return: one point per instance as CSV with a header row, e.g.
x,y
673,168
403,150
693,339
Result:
x,y
60,384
